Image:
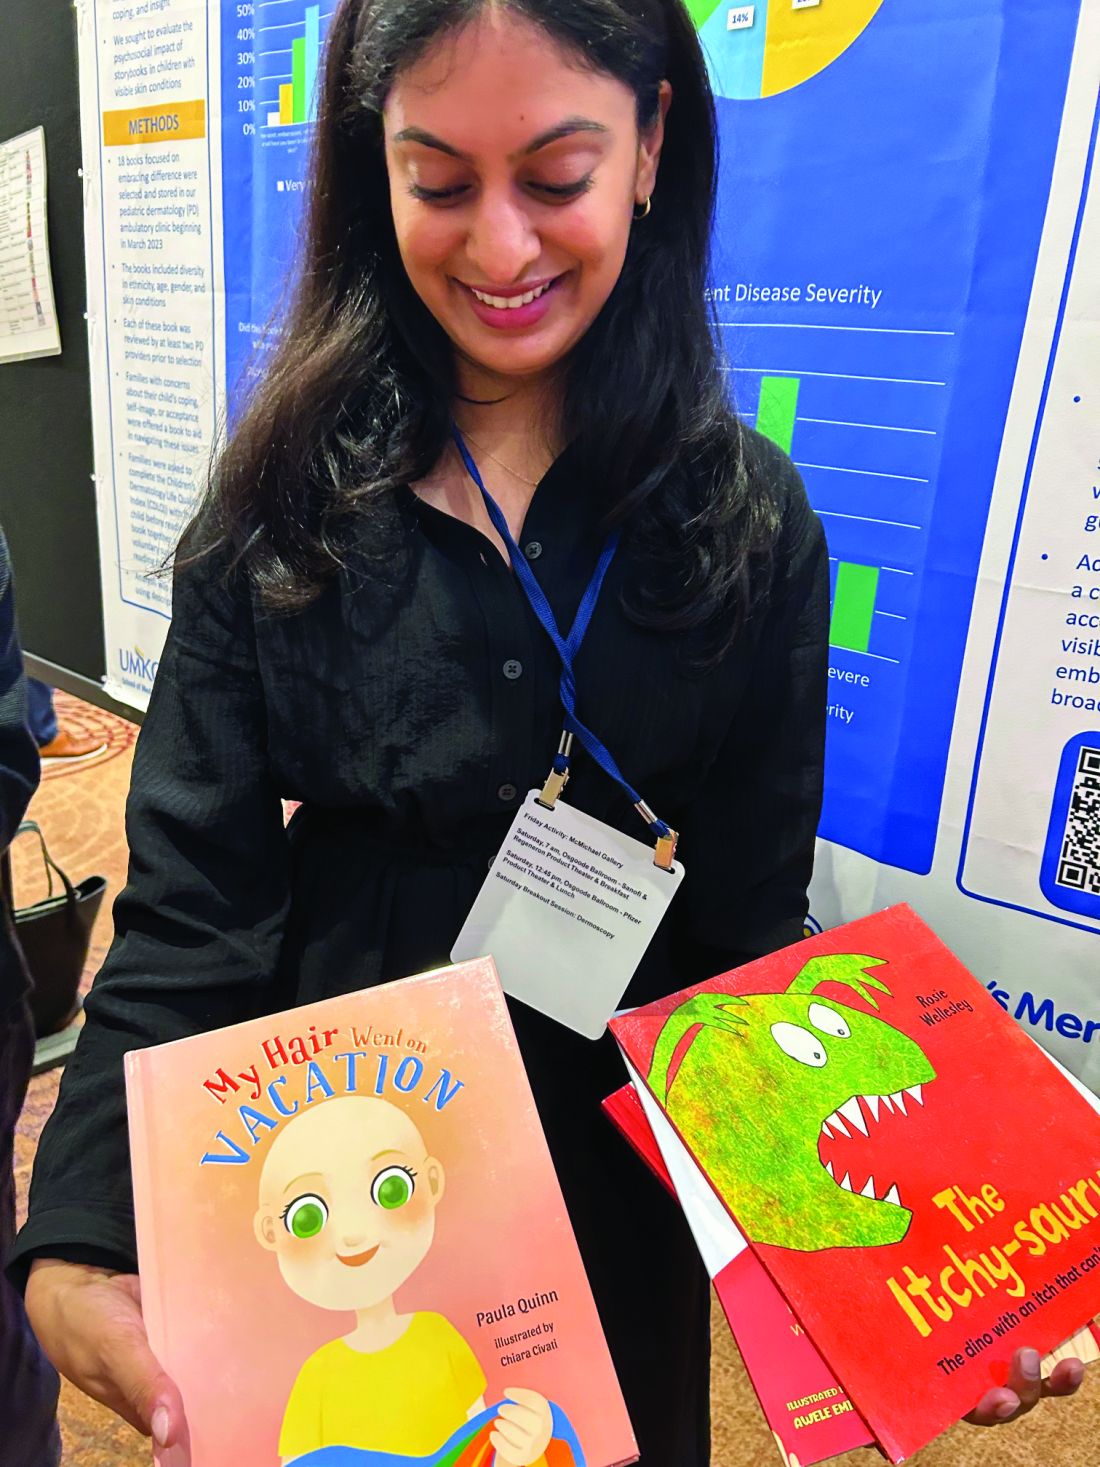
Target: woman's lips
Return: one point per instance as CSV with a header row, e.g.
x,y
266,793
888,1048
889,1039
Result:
x,y
514,318
356,1260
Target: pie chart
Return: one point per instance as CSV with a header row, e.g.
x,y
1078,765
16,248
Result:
x,y
772,45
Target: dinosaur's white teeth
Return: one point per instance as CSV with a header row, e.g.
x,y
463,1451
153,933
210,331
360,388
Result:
x,y
825,1130
899,1101
868,1188
871,1102
837,1124
851,1112
888,1103
893,1196
829,1169
846,1183
915,1092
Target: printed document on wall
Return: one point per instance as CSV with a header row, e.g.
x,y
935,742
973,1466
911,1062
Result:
x,y
28,320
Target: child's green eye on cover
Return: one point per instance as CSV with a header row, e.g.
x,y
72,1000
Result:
x,y
306,1216
392,1187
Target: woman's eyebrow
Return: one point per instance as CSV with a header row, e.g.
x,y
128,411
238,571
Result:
x,y
563,129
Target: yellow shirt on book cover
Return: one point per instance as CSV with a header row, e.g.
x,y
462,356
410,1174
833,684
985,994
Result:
x,y
408,1398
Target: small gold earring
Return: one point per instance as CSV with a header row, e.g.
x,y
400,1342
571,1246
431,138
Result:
x,y
645,208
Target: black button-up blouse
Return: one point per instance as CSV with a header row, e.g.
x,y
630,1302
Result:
x,y
410,715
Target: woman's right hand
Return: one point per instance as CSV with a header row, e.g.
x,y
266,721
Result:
x,y
89,1322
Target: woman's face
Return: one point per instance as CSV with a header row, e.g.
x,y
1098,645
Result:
x,y
513,175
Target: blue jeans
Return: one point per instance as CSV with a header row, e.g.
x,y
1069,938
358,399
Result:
x,y
41,719
28,1382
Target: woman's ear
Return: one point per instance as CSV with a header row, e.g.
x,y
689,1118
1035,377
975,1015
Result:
x,y
650,144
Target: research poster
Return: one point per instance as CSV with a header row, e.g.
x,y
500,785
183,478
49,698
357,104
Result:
x,y
906,277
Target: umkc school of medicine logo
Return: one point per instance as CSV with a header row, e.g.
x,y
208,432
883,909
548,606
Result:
x,y
136,667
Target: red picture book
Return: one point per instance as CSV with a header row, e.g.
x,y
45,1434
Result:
x,y
810,1415
918,1180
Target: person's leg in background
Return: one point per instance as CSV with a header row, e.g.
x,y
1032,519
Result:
x,y
56,744
41,718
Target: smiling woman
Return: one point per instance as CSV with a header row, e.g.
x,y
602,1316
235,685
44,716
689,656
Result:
x,y
505,233
485,224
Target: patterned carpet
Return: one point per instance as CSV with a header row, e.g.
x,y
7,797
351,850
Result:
x,y
81,813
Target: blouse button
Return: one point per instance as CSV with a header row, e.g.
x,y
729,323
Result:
x,y
507,792
513,669
532,550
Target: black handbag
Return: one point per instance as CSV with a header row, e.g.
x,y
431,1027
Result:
x,y
54,936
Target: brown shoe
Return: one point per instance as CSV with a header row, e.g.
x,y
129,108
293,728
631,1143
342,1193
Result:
x,y
71,748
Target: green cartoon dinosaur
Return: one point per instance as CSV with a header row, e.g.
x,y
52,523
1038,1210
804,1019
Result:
x,y
787,1066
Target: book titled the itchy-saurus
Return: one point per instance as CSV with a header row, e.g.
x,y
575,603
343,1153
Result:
x,y
352,1243
920,1182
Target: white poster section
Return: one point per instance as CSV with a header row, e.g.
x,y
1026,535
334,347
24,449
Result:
x,y
187,103
153,234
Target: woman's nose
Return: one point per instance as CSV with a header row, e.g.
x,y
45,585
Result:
x,y
503,242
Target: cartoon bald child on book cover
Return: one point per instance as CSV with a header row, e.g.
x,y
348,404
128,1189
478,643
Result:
x,y
348,1196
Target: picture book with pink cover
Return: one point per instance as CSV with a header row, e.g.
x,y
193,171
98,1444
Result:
x,y
353,1248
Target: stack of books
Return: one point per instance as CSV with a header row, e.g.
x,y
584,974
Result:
x,y
892,1186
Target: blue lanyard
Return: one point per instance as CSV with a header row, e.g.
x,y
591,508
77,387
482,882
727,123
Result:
x,y
567,647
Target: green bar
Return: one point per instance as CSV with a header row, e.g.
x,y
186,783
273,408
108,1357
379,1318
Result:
x,y
853,606
298,74
775,415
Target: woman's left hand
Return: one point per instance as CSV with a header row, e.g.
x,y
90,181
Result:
x,y
1025,1388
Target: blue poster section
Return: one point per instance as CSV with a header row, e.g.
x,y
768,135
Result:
x,y
913,174
265,155
874,251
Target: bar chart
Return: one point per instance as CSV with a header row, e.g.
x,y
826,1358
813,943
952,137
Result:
x,y
854,585
861,411
288,62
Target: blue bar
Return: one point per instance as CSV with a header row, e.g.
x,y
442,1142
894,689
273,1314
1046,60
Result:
x,y
313,58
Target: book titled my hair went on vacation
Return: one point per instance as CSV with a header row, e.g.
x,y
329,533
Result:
x,y
919,1180
353,1247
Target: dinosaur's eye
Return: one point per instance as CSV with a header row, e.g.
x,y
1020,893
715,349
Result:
x,y
800,1044
828,1021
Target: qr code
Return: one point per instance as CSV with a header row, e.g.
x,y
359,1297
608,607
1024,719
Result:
x,y
1079,862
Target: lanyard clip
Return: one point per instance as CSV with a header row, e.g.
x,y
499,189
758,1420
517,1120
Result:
x,y
666,849
558,777
666,837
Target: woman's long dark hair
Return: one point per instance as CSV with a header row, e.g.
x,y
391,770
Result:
x,y
356,399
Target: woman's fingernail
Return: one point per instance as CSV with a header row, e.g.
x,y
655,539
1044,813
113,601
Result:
x,y
160,1426
1029,1363
1005,1410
